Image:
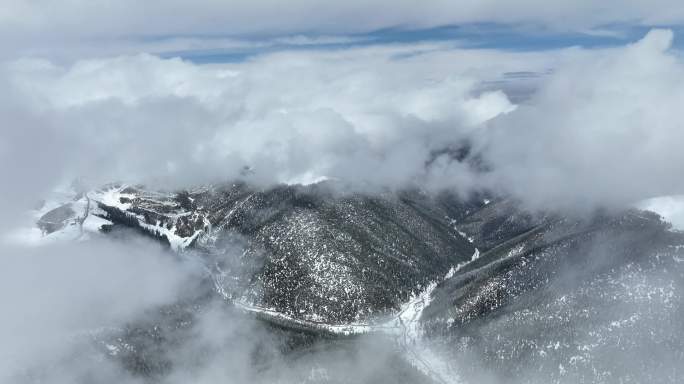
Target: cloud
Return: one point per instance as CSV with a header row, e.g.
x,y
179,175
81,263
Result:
x,y
671,208
270,17
54,294
604,130
599,128
365,115
71,30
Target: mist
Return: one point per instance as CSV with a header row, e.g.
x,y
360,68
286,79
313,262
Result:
x,y
54,296
129,310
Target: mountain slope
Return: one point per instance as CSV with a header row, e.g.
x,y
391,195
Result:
x,y
312,254
457,290
551,298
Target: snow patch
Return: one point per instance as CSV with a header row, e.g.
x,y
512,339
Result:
x,y
463,234
112,197
307,178
453,270
80,227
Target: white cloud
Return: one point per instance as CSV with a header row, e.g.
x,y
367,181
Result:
x,y
156,17
601,130
368,115
51,295
604,130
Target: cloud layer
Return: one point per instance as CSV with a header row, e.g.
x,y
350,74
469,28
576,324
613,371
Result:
x,y
73,29
606,129
54,294
602,129
155,18
370,115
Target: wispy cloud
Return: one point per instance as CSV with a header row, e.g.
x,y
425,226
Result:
x,y
46,26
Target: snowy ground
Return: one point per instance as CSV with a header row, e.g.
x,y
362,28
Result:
x,y
81,226
408,333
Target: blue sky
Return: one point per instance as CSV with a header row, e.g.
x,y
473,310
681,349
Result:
x,y
476,36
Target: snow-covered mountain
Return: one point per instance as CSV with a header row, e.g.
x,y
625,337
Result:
x,y
462,291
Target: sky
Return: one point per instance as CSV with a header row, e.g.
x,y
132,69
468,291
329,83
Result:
x,y
211,30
